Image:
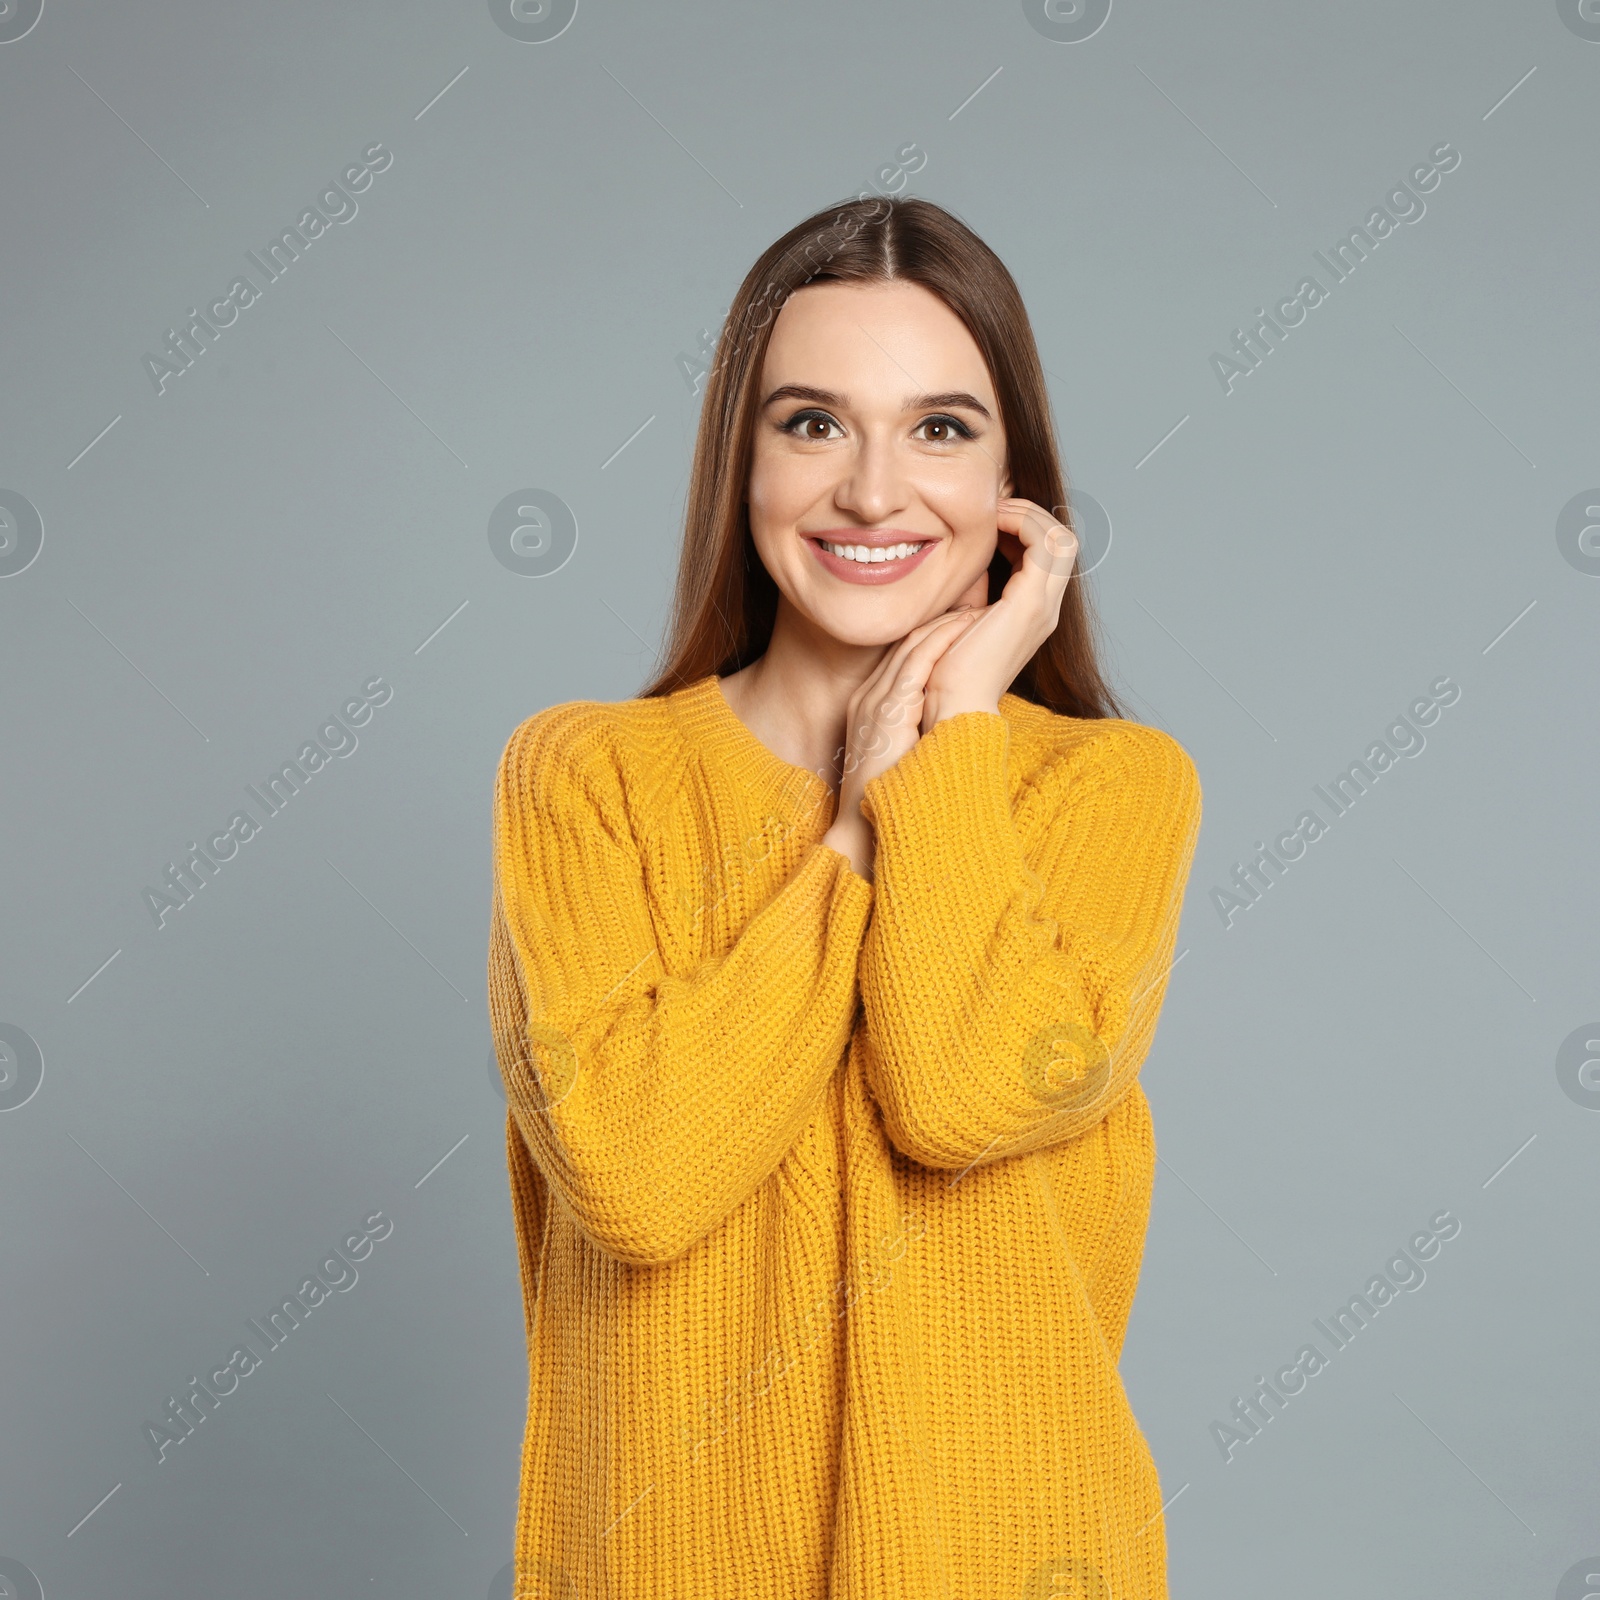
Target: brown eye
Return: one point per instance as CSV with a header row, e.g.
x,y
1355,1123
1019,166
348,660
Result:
x,y
944,429
813,425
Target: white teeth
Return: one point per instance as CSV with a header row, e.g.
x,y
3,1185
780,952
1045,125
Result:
x,y
871,553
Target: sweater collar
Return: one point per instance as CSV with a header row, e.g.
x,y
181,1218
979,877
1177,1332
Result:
x,y
715,730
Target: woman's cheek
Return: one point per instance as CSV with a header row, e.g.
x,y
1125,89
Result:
x,y
968,505
784,487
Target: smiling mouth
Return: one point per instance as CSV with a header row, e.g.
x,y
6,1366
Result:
x,y
873,557
872,554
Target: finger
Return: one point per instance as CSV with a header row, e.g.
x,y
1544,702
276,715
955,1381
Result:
x,y
1050,546
916,664
1053,544
895,688
943,628
1031,523
887,668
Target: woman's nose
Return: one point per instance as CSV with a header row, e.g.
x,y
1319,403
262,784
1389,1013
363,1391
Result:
x,y
874,485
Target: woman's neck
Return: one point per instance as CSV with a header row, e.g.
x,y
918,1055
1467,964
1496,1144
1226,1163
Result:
x,y
794,696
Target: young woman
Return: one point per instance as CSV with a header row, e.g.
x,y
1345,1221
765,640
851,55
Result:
x,y
821,974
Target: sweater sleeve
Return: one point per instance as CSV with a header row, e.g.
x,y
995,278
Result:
x,y
652,1103
1011,998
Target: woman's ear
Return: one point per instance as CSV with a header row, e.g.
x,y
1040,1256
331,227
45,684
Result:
x,y
1005,486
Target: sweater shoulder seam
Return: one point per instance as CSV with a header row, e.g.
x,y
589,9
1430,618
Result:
x,y
611,753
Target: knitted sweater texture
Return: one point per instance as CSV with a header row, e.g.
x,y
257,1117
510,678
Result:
x,y
830,1196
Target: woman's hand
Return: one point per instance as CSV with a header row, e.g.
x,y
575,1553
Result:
x,y
883,721
961,661
980,665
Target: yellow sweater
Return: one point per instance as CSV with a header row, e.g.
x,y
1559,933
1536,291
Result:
x,y
830,1196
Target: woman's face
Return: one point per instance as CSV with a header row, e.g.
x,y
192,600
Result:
x,y
877,428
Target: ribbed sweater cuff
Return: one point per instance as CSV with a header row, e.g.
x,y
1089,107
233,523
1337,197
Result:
x,y
942,814
853,895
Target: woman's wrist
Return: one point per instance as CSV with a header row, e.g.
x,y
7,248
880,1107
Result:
x,y
948,707
855,841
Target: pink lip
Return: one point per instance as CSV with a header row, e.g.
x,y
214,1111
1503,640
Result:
x,y
875,572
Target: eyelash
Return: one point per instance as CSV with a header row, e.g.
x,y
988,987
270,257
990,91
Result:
x,y
961,428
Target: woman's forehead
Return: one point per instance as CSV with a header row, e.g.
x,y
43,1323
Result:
x,y
852,338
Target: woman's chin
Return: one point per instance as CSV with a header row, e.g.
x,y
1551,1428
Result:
x,y
876,622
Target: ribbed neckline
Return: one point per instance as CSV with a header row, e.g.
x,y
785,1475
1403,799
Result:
x,y
711,724
716,730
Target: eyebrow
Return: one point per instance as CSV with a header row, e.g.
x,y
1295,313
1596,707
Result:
x,y
918,402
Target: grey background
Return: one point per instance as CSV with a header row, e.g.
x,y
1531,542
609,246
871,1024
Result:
x,y
225,563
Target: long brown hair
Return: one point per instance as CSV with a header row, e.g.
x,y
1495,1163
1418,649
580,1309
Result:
x,y
726,602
